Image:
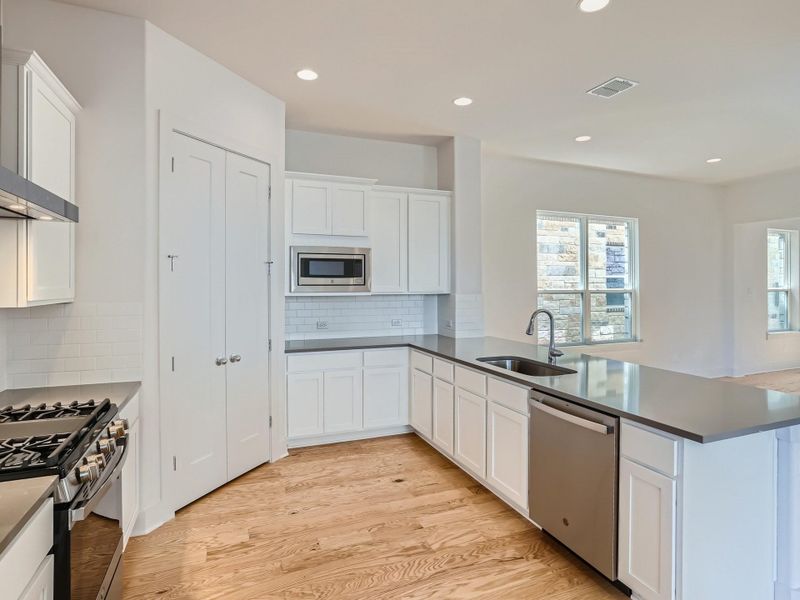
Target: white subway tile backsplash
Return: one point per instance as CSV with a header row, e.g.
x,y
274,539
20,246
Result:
x,y
355,316
77,343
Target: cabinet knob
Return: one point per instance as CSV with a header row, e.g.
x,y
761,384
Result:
x,y
236,358
221,360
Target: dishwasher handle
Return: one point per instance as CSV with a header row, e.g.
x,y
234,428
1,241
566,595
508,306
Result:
x,y
580,422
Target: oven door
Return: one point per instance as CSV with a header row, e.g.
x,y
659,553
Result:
x,y
323,269
95,544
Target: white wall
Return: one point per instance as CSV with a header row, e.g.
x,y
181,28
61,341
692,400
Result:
x,y
751,207
3,350
681,255
391,163
214,103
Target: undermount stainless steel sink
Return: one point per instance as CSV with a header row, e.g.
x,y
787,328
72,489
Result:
x,y
525,366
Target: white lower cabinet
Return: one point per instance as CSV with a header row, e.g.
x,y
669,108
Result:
x,y
443,415
336,396
507,448
470,432
385,397
304,392
41,586
24,570
647,509
342,401
422,402
129,479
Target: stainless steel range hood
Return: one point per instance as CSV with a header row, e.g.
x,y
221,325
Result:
x,y
20,198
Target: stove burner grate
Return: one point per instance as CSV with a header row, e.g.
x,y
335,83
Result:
x,y
37,451
44,411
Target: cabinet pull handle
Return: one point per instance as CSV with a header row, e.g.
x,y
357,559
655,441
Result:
x,y
221,360
236,358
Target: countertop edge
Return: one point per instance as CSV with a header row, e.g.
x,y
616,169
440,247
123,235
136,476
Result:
x,y
24,518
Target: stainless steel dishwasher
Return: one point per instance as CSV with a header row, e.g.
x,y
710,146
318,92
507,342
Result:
x,y
574,455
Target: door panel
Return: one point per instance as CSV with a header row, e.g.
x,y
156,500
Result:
x,y
311,207
385,397
304,400
349,210
422,402
51,261
471,432
388,230
192,308
443,415
507,462
428,244
247,312
343,401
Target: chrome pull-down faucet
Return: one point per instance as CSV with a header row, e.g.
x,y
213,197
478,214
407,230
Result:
x,y
552,353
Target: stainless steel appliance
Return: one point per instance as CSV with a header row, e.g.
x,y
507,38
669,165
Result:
x,y
325,269
573,464
85,446
20,198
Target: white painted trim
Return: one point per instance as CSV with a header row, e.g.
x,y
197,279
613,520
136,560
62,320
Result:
x,y
329,178
319,440
34,62
410,190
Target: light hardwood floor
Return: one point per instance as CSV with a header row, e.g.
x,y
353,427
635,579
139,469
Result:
x,y
379,519
781,381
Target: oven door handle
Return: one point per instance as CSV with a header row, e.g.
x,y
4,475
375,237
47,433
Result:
x,y
84,510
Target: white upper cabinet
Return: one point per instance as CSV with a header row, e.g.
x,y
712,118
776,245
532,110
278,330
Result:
x,y
389,235
38,142
327,205
429,243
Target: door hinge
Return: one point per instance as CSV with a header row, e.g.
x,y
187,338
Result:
x,y
173,164
174,463
269,192
269,345
270,421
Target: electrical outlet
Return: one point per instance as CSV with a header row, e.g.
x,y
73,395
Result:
x,y
322,324
397,322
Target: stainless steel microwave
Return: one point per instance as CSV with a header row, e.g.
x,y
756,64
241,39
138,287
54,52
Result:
x,y
321,269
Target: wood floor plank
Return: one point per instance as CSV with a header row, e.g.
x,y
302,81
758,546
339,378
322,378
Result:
x,y
387,518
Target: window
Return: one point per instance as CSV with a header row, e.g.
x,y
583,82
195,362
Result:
x,y
586,276
780,294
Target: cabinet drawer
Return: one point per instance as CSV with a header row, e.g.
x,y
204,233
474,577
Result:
x,y
510,396
443,370
20,561
393,357
650,449
423,362
471,381
322,361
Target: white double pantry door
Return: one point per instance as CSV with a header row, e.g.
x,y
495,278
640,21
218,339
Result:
x,y
214,315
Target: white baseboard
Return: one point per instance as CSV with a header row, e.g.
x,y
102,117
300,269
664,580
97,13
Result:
x,y
334,438
151,519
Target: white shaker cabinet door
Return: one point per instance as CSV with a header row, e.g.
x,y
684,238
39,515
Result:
x,y
385,397
42,585
422,402
310,207
343,401
507,460
349,210
443,415
304,403
647,509
428,244
389,240
470,434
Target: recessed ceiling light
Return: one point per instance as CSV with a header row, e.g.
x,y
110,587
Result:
x,y
307,74
463,101
711,161
45,218
590,6
16,206
583,138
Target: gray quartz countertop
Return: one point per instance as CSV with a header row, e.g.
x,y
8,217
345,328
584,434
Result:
x,y
118,393
695,408
19,499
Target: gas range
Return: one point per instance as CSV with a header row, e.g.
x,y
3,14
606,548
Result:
x,y
79,442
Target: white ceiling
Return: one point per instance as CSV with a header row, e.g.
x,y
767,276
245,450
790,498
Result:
x,y
718,77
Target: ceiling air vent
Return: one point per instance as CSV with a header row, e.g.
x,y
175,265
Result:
x,y
612,87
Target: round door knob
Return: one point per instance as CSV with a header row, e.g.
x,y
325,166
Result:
x,y
221,360
236,358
